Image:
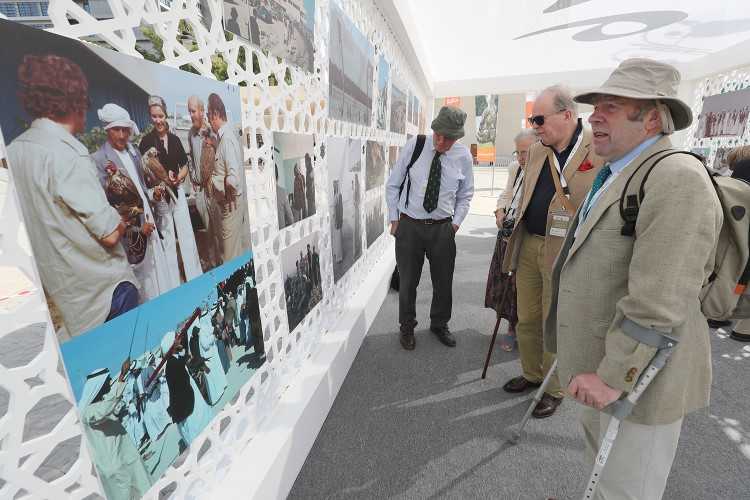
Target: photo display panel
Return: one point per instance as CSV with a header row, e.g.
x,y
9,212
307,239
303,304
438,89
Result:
x,y
351,70
724,115
300,265
130,179
398,110
344,177
285,28
293,156
384,80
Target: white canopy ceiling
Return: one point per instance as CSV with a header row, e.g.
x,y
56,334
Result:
x,y
469,47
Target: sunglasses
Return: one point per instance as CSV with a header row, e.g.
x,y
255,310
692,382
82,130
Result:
x,y
539,119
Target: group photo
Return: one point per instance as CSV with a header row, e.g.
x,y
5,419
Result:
x,y
374,165
724,115
140,200
345,203
293,156
384,83
398,110
303,286
148,383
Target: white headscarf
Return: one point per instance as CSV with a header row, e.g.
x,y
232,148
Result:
x,y
114,116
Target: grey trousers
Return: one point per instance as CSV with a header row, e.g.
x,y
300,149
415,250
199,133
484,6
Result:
x,y
414,241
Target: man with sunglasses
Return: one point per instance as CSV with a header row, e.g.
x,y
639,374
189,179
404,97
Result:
x,y
559,172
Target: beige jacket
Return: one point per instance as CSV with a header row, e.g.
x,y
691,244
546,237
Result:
x,y
579,183
601,277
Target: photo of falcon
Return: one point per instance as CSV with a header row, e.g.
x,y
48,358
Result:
x,y
122,194
156,174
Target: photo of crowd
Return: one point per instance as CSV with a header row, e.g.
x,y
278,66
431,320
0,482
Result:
x,y
724,115
148,383
351,70
384,80
302,280
293,156
375,223
344,174
285,28
120,205
398,110
374,165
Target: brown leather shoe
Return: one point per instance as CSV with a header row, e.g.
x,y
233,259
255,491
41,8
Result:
x,y
519,384
546,406
407,340
444,335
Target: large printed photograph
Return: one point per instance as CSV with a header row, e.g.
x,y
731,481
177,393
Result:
x,y
398,110
374,165
486,126
293,156
724,115
375,224
132,189
381,105
150,381
285,28
351,70
120,205
344,177
300,266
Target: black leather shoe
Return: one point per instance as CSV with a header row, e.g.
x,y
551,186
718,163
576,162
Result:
x,y
519,384
546,406
715,323
740,337
444,335
407,340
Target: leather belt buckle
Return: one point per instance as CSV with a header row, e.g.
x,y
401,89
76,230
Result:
x,y
429,222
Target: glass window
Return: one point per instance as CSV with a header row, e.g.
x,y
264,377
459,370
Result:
x,y
28,9
8,9
44,6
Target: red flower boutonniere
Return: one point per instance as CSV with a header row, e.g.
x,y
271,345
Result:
x,y
585,166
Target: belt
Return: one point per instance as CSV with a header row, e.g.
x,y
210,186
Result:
x,y
427,221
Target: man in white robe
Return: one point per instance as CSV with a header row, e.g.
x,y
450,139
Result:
x,y
156,402
121,470
216,379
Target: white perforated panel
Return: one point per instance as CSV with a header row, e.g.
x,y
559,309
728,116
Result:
x,y
42,453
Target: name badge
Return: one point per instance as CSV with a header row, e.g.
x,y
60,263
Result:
x,y
559,223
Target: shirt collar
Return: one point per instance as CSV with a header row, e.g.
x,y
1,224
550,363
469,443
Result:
x,y
623,162
61,133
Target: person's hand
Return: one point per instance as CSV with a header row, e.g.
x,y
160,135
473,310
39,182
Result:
x,y
590,389
230,196
173,178
147,229
110,167
455,228
499,218
394,227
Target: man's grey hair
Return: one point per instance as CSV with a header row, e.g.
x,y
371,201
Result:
x,y
562,98
524,134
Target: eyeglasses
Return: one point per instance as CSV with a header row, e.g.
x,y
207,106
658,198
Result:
x,y
539,119
516,154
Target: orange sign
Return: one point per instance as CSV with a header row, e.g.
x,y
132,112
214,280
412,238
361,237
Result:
x,y
453,101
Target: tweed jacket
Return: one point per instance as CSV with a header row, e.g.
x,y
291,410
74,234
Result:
x,y
601,278
579,183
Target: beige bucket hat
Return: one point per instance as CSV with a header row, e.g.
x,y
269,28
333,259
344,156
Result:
x,y
641,78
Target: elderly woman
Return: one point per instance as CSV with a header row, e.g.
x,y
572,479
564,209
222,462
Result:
x,y
738,161
501,289
172,210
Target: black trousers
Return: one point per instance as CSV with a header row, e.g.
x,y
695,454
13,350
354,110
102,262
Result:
x,y
414,241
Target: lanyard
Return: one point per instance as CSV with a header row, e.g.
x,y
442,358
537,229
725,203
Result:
x,y
560,171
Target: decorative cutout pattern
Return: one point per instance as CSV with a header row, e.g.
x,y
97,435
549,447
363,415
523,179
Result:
x,y
42,453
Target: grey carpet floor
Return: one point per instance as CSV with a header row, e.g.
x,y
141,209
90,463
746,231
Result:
x,y
422,424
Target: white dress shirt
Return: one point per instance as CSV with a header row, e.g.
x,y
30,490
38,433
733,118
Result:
x,y
456,183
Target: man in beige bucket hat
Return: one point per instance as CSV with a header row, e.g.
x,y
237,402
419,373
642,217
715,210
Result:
x,y
611,289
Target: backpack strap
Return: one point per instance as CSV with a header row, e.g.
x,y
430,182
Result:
x,y
418,147
630,203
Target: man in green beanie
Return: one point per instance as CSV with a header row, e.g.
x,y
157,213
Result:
x,y
428,193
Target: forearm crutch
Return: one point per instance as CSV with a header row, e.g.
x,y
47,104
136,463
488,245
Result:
x,y
516,434
497,325
622,408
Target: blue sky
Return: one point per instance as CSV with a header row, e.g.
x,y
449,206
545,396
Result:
x,y
108,345
310,10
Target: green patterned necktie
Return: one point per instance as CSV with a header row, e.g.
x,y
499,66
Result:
x,y
599,181
432,192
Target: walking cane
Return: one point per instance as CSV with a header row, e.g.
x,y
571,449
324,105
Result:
x,y
516,434
622,408
497,326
